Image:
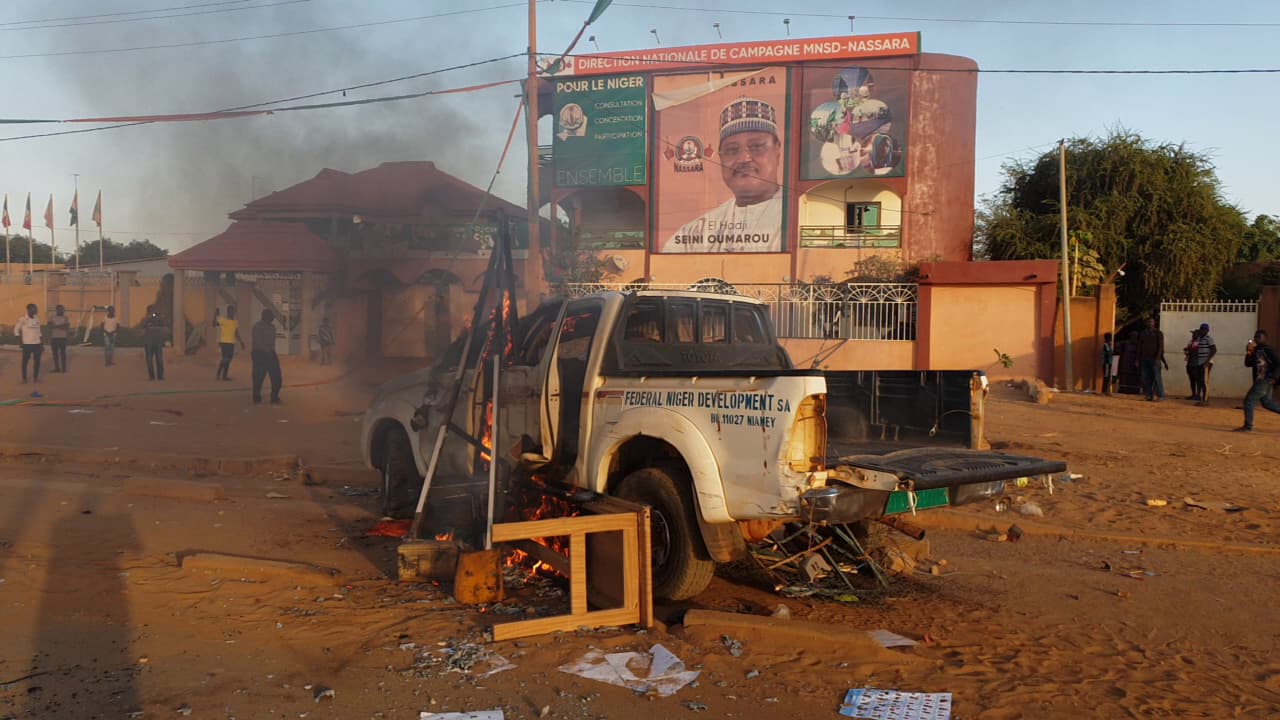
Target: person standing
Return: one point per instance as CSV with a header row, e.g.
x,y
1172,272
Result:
x,y
28,331
327,341
110,326
1110,359
1151,360
228,336
59,330
1199,362
1259,356
154,330
265,360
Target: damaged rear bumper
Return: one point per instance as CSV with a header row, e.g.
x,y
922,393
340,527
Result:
x,y
838,504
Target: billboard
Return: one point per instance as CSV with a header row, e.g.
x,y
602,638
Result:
x,y
791,50
857,122
600,131
720,161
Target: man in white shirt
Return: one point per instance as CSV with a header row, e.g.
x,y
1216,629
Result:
x,y
28,331
110,326
750,155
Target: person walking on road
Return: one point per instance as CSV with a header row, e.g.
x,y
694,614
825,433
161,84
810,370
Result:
x,y
59,330
28,331
1110,362
1262,358
153,334
1151,359
110,326
1199,360
228,336
327,341
265,360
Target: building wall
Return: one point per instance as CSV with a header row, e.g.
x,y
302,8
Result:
x,y
1230,332
970,323
852,355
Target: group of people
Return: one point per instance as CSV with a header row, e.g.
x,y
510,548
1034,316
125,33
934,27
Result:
x,y
1144,350
30,332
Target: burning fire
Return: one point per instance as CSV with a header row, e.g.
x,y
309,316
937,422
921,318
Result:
x,y
486,439
446,536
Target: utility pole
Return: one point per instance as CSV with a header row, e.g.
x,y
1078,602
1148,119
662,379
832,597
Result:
x,y
1066,268
533,261
76,202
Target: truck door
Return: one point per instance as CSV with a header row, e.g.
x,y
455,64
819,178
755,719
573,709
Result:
x,y
566,379
520,423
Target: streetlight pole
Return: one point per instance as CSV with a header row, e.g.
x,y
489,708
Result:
x,y
1066,268
533,261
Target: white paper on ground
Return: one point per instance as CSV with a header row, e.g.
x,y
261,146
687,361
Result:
x,y
891,639
477,715
658,671
874,704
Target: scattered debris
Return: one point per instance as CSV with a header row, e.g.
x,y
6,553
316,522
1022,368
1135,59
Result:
x,y
160,422
893,560
321,692
1212,505
469,658
995,536
695,706
1002,504
350,491
734,646
184,710
276,496
891,640
782,612
875,704
1156,502
475,715
80,411
657,671
753,674
1031,509
1014,533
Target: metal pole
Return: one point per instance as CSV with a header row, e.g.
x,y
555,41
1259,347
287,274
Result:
x,y
1066,268
533,263
76,200
499,343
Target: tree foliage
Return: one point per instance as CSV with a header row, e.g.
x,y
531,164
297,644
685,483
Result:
x,y
1155,208
112,251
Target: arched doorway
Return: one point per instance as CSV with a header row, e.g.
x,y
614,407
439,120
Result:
x,y
375,284
441,285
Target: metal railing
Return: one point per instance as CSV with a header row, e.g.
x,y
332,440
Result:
x,y
836,311
612,239
842,236
1223,306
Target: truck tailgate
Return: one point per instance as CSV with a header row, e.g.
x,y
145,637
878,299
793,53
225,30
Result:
x,y
936,467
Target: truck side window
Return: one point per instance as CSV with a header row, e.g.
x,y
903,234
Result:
x,y
576,331
714,323
536,333
644,322
684,320
747,326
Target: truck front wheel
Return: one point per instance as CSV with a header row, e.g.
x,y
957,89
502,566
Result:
x,y
682,568
400,481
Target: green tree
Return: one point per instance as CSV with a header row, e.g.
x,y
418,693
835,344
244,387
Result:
x,y
1156,208
113,251
1261,240
18,251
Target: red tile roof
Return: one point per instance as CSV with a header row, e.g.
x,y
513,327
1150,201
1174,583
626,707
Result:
x,y
390,189
248,246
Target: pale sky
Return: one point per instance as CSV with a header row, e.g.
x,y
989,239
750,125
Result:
x,y
175,183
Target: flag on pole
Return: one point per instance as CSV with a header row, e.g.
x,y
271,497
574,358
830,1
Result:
x,y
75,209
26,218
48,213
5,219
97,210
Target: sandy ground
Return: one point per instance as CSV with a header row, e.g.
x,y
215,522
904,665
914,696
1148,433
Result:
x,y
103,619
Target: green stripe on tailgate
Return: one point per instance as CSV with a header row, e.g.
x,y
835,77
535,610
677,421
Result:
x,y
925,499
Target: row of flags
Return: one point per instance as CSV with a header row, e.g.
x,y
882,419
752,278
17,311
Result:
x,y
48,212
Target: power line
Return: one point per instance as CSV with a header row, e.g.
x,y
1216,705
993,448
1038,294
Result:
x,y
270,36
125,12
114,21
641,60
987,21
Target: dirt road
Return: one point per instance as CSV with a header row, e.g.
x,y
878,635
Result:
x,y
112,606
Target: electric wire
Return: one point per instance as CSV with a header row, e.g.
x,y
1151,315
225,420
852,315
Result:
x,y
903,18
115,21
120,13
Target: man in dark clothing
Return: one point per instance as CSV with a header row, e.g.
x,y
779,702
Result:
x,y
265,360
1262,358
1151,359
1199,359
59,330
154,330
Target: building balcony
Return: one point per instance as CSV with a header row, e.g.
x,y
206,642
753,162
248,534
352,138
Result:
x,y
841,236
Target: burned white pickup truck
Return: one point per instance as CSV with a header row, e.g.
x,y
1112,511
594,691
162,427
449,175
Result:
x,y
685,401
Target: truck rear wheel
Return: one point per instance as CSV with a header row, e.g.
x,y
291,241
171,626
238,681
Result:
x,y
400,481
682,568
